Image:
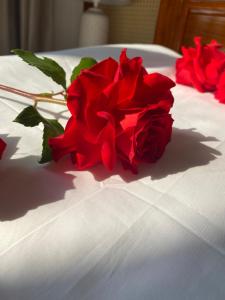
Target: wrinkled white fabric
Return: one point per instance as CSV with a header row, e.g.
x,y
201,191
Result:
x,y
93,235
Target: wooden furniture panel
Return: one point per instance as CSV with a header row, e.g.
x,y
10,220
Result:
x,y
180,20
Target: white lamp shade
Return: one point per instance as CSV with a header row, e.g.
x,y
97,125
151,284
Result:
x,y
94,28
94,25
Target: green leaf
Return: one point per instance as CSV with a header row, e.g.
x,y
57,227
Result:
x,y
52,128
30,117
85,63
46,65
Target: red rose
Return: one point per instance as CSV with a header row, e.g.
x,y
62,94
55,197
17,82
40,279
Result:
x,y
201,67
2,147
104,98
220,92
144,136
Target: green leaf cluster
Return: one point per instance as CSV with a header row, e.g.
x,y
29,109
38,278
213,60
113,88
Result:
x,y
30,117
46,65
51,68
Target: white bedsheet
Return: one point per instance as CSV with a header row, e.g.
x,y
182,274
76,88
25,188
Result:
x,y
158,235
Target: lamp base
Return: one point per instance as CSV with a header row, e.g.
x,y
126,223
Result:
x,y
94,28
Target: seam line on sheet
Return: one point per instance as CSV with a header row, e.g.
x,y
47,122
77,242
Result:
x,y
70,289
10,106
181,203
221,251
47,222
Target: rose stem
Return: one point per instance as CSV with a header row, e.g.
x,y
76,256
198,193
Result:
x,y
35,97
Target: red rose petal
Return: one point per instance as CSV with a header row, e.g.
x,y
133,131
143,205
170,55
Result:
x,y
107,140
158,83
2,147
106,68
220,92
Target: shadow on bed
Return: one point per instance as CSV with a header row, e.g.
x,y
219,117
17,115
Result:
x,y
185,151
26,185
39,185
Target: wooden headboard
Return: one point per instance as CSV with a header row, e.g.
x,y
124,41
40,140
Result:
x,y
180,20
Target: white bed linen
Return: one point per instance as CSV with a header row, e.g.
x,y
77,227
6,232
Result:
x,y
92,235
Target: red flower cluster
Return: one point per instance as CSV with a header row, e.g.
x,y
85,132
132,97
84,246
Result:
x,y
2,147
119,111
203,67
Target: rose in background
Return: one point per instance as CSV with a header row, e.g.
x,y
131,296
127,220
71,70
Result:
x,y
2,147
220,92
203,67
118,111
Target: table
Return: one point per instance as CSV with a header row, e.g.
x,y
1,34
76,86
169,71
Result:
x,y
95,235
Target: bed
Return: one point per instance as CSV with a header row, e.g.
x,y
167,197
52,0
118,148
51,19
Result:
x,y
92,235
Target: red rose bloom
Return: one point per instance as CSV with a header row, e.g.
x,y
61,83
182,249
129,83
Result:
x,y
220,92
144,135
112,105
201,67
2,147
